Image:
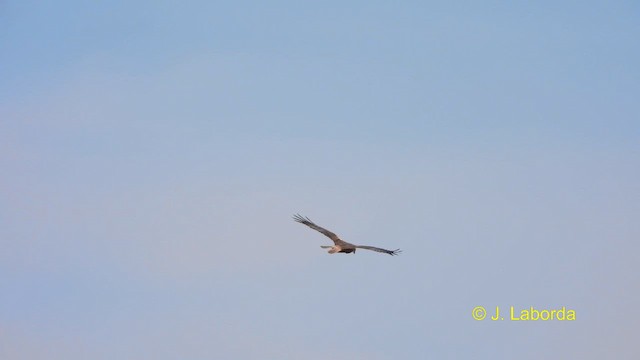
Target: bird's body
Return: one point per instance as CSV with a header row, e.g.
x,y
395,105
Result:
x,y
340,246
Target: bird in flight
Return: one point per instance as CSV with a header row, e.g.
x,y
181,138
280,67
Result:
x,y
340,246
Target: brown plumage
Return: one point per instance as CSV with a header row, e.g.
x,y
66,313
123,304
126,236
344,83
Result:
x,y
340,245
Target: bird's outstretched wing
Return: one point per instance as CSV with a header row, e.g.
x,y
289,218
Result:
x,y
390,252
309,223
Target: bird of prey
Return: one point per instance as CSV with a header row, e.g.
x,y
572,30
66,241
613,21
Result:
x,y
340,246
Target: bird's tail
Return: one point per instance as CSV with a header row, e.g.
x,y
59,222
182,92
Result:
x,y
326,247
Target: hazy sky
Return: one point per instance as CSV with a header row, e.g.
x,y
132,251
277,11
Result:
x,y
152,154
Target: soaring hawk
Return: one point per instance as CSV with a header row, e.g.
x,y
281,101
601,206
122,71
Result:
x,y
340,246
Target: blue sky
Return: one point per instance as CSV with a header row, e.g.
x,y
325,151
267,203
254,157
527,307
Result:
x,y
153,152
